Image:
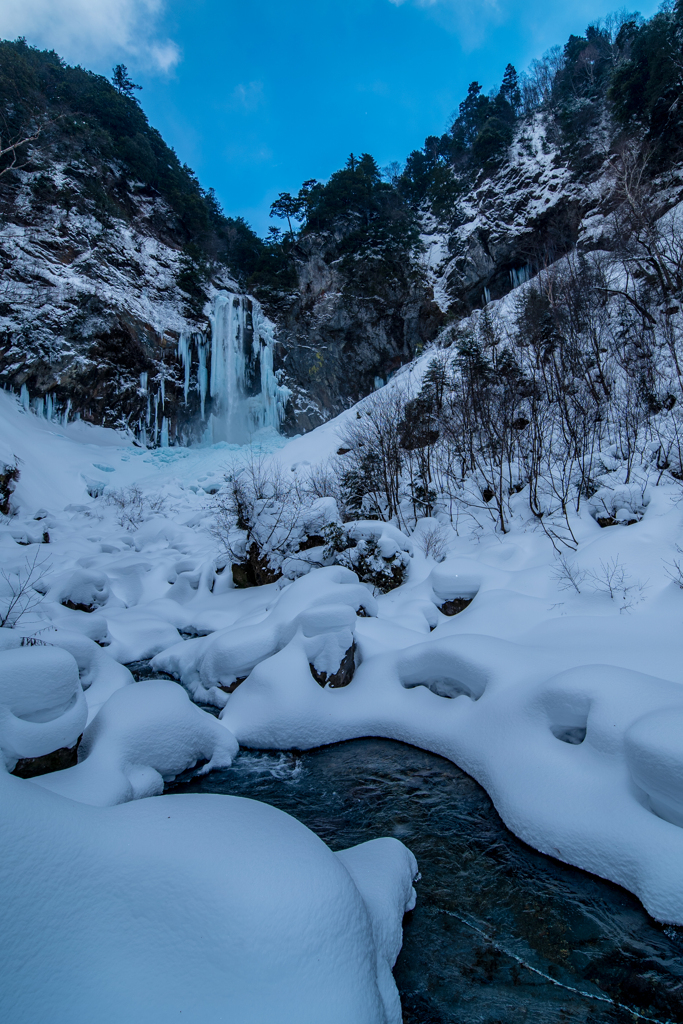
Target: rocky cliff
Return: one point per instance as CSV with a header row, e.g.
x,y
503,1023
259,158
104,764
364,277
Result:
x,y
115,261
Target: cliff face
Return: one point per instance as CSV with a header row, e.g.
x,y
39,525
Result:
x,y
115,262
94,304
336,344
99,302
91,309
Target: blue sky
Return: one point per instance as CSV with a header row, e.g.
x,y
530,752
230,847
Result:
x,y
259,95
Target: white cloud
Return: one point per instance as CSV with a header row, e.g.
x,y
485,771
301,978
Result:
x,y
86,31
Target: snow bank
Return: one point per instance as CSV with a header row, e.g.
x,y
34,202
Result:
x,y
143,736
200,908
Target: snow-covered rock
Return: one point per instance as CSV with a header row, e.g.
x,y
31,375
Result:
x,y
143,736
42,704
196,907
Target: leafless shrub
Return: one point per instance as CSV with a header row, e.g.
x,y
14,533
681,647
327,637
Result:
x,y
375,455
674,570
568,574
613,579
134,506
20,594
323,481
260,520
433,542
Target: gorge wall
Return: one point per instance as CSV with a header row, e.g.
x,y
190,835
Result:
x,y
127,297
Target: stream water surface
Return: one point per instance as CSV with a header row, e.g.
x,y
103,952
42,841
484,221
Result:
x,y
501,934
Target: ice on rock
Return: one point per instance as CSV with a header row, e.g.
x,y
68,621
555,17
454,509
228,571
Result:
x,y
42,704
142,736
196,908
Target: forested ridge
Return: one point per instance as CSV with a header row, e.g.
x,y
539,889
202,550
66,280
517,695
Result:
x,y
348,275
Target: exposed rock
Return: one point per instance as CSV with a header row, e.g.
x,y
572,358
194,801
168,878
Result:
x,y
343,675
336,345
255,570
455,606
56,761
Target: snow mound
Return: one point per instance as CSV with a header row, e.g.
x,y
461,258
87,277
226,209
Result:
x,y
321,606
42,704
192,907
143,736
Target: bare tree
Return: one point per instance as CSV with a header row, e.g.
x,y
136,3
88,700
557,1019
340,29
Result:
x,y
375,456
20,595
12,142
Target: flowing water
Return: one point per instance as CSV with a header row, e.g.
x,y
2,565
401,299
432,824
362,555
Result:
x,y
501,934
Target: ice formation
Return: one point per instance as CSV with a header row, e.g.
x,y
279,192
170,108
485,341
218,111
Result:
x,y
233,373
235,369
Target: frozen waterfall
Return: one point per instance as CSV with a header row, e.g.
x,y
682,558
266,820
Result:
x,y
235,370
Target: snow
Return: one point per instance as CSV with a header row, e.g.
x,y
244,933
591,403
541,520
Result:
x,y
42,704
320,606
144,736
564,700
200,908
262,913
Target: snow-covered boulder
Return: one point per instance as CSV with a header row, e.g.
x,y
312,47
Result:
x,y
144,735
83,590
450,585
42,704
99,673
197,908
377,552
321,604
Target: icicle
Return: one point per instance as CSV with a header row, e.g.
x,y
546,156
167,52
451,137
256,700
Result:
x,y
163,440
24,398
185,356
235,370
202,375
520,276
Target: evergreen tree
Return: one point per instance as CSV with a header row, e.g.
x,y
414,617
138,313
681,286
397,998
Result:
x,y
123,83
509,90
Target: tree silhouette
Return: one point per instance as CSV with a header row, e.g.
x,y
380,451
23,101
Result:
x,y
123,83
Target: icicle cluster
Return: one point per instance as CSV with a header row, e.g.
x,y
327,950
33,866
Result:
x,y
242,385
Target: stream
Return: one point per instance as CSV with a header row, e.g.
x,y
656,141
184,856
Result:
x,y
501,934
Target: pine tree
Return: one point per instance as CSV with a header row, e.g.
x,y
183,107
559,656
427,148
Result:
x,y
509,89
123,83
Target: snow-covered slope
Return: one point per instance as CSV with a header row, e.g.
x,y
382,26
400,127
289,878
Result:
x,y
549,694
